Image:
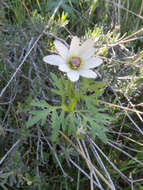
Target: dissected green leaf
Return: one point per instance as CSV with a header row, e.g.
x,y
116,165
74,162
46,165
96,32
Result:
x,y
71,126
38,115
97,86
61,85
97,128
93,130
103,118
101,133
55,125
41,104
57,91
93,99
63,120
71,123
91,113
90,84
56,80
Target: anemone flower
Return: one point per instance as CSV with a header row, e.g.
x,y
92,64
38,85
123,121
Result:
x,y
77,60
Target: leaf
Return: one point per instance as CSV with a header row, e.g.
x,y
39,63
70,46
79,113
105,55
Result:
x,y
91,107
97,129
85,83
57,81
93,98
97,86
57,92
93,131
103,118
38,115
73,124
63,121
55,125
41,104
32,121
101,133
70,121
91,84
61,85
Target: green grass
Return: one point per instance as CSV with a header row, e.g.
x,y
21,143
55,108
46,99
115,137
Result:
x,y
35,162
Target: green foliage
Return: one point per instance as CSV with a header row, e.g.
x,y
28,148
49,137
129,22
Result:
x,y
55,125
40,115
129,19
20,25
60,84
93,114
18,11
64,117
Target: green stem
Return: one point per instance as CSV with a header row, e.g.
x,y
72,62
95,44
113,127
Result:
x,y
63,100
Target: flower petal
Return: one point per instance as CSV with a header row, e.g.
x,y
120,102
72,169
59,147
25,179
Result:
x,y
64,68
62,49
87,73
88,44
53,60
74,46
73,75
87,49
87,54
92,63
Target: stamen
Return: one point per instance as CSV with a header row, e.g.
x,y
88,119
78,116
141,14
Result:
x,y
75,62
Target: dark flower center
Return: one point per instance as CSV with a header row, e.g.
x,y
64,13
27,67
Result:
x,y
75,62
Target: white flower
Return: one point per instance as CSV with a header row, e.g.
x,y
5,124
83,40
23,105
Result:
x,y
76,61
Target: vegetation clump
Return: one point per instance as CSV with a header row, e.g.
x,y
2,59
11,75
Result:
x,y
59,130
